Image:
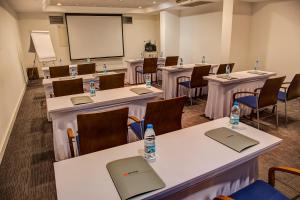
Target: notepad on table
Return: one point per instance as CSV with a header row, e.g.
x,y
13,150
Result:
x,y
257,72
133,176
140,90
231,139
81,100
225,76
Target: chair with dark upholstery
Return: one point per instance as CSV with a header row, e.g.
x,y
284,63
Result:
x,y
149,67
165,116
195,81
99,131
291,91
112,81
260,100
59,71
67,87
89,68
260,190
170,61
222,68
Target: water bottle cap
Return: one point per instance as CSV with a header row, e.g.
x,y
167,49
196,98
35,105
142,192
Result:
x,y
149,125
235,103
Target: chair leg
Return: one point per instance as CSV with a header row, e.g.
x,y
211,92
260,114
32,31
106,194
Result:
x,y
191,97
196,91
151,78
257,114
285,110
136,77
200,94
273,110
177,87
276,116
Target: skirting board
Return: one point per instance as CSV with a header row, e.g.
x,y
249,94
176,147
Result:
x,y
11,125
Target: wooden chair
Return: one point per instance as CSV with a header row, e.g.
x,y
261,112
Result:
x,y
165,116
59,71
89,68
260,190
149,67
222,68
260,100
291,91
107,82
99,131
67,87
195,81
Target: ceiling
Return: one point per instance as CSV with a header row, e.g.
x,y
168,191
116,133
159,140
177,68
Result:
x,y
110,3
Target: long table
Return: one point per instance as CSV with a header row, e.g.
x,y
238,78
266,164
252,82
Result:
x,y
131,64
192,166
47,83
220,91
63,113
46,72
170,74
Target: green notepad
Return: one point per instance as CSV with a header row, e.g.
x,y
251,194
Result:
x,y
81,100
231,139
133,176
140,90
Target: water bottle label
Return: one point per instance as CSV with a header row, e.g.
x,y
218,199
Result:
x,y
149,149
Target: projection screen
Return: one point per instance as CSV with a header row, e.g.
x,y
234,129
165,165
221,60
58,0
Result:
x,y
95,36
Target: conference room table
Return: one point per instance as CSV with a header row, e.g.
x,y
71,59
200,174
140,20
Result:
x,y
221,90
171,73
47,83
64,114
131,64
192,165
46,72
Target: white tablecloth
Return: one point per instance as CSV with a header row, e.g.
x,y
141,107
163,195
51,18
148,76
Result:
x,y
220,92
133,63
169,80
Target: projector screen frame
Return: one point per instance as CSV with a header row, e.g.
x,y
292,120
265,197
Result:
x,y
95,14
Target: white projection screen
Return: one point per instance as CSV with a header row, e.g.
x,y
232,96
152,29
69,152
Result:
x,y
95,36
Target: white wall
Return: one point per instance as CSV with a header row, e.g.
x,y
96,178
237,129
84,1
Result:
x,y
275,36
169,33
200,33
144,27
12,81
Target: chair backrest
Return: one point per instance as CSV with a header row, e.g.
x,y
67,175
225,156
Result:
x,y
107,82
89,68
165,115
197,76
150,65
269,92
222,68
99,131
59,71
294,88
171,60
67,87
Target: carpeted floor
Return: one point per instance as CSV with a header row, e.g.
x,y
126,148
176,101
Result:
x,y
26,171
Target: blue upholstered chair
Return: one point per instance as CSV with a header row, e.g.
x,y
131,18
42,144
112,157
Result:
x,y
165,116
195,81
291,91
259,100
149,67
260,190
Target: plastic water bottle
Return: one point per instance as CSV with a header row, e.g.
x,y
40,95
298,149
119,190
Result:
x,y
148,80
256,64
235,115
92,88
149,143
105,69
73,72
181,62
203,60
227,71
88,60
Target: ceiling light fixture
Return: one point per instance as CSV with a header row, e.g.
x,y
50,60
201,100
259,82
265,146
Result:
x,y
140,7
154,2
58,4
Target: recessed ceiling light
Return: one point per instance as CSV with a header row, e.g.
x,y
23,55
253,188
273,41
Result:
x,y
140,7
58,4
154,2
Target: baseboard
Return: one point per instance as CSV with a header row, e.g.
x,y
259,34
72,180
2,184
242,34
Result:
x,y
11,125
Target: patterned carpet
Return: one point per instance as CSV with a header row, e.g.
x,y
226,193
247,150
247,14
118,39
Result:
x,y
26,171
